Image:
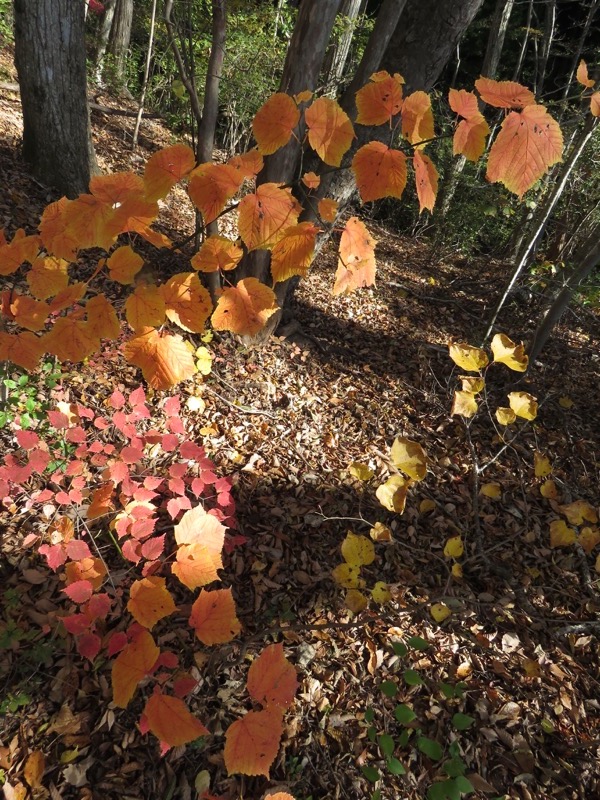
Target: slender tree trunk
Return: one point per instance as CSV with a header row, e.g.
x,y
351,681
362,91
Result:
x,y
549,25
103,36
120,36
337,54
523,50
186,72
138,120
50,59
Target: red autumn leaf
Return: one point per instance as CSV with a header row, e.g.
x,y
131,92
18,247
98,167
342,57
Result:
x,y
380,171
170,720
417,118
132,664
165,168
244,308
211,186
79,591
24,349
426,179
47,276
54,554
187,302
274,122
150,601
330,132
102,320
213,617
294,252
124,264
251,743
265,215
356,263
77,550
530,141
145,307
379,100
272,680
164,359
88,645
216,253
504,94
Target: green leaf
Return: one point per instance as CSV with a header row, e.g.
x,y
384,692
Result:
x,y
372,733
462,721
417,643
404,737
447,689
389,688
9,383
4,418
395,767
386,744
463,784
413,678
23,380
369,715
371,774
376,795
404,714
400,649
438,791
430,748
454,767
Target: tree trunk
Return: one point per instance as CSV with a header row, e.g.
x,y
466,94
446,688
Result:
x,y
549,25
120,36
103,36
50,60
138,119
337,55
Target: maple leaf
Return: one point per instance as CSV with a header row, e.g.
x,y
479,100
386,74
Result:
x,y
504,94
21,248
330,132
582,75
47,276
102,319
426,179
124,264
380,100
274,122
251,743
170,720
145,307
71,339
294,252
266,215
529,142
132,664
211,186
68,297
379,171
187,302
417,118
165,168
272,680
356,263
214,618
217,253
24,349
150,601
29,313
245,308
164,359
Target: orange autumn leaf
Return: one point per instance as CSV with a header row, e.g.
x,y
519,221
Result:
x,y
200,537
583,77
115,188
145,307
47,276
211,186
274,122
530,141
272,680
86,569
29,313
131,666
170,720
165,168
595,104
379,100
311,180
88,221
293,254
251,743
187,302
417,118
244,308
24,349
21,248
197,526
154,237
164,359
68,297
213,617
463,103
330,132
471,132
356,263
135,213
101,502
265,215
247,164
379,171
426,179
217,253
303,96
102,320
53,231
71,339
124,264
504,94
150,601
327,208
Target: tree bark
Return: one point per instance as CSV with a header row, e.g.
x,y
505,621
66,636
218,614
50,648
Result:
x,y
337,54
103,36
140,112
120,36
50,60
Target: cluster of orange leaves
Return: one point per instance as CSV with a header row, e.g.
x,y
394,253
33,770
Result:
x,y
54,319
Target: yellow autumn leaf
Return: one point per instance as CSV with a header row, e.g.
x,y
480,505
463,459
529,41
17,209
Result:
x,y
560,534
409,457
357,550
541,465
355,601
579,512
380,533
597,565
493,490
454,547
532,668
347,576
589,538
203,360
472,385
195,404
471,359
507,352
523,404
457,571
565,402
548,490
425,506
505,416
380,593
440,612
360,471
464,404
392,493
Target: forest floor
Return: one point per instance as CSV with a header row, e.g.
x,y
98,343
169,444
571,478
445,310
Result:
x,y
285,422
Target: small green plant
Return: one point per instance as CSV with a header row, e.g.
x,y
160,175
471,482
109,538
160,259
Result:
x,y
28,396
